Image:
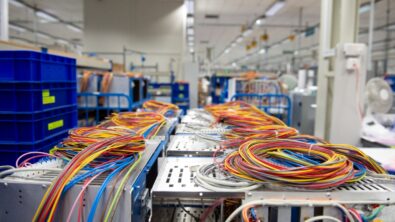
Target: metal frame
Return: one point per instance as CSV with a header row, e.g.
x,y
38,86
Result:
x,y
191,146
25,195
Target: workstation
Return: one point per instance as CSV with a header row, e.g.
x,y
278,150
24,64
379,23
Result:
x,y
197,110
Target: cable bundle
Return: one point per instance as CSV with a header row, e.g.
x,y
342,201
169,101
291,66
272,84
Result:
x,y
242,114
80,138
238,136
126,147
298,164
166,109
146,124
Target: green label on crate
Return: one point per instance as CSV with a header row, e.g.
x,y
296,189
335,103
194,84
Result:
x,y
49,100
46,92
54,125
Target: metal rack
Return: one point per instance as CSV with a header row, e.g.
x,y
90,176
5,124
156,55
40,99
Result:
x,y
25,195
175,183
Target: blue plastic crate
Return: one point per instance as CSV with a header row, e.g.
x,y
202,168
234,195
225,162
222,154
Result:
x,y
36,66
10,152
30,128
36,97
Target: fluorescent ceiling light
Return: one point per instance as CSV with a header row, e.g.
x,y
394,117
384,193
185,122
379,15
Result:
x,y
190,4
46,16
227,51
275,45
191,38
74,28
191,50
17,28
190,31
16,3
61,41
234,64
247,32
44,36
275,7
190,20
260,20
233,44
364,8
262,51
391,27
239,39
190,43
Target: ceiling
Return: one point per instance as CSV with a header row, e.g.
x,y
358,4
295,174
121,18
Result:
x,y
213,35
218,34
70,11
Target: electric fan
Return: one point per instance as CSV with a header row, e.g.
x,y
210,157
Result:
x,y
375,127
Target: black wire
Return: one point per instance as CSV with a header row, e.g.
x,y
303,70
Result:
x,y
186,211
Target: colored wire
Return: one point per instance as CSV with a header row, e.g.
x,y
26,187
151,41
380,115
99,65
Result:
x,y
238,136
146,124
80,195
38,155
242,114
117,196
82,159
323,217
166,109
186,211
298,164
289,203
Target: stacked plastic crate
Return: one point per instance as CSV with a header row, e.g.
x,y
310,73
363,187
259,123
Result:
x,y
38,102
180,95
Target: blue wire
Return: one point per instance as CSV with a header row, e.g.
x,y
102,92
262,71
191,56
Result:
x,y
90,173
92,211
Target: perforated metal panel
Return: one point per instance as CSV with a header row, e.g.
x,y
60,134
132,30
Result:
x,y
364,191
192,145
203,129
176,180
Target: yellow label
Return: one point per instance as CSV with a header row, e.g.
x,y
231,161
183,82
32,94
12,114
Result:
x,y
46,92
49,100
54,125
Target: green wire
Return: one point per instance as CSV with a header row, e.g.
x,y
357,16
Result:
x,y
120,188
374,213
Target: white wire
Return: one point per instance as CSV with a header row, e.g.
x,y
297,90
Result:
x,y
7,167
323,217
288,203
218,185
17,170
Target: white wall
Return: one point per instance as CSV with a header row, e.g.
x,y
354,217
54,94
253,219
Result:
x,y
153,26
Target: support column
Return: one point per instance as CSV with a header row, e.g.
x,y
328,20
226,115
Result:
x,y
4,20
339,24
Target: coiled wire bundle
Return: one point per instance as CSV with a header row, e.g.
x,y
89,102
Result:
x,y
298,164
238,136
241,114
